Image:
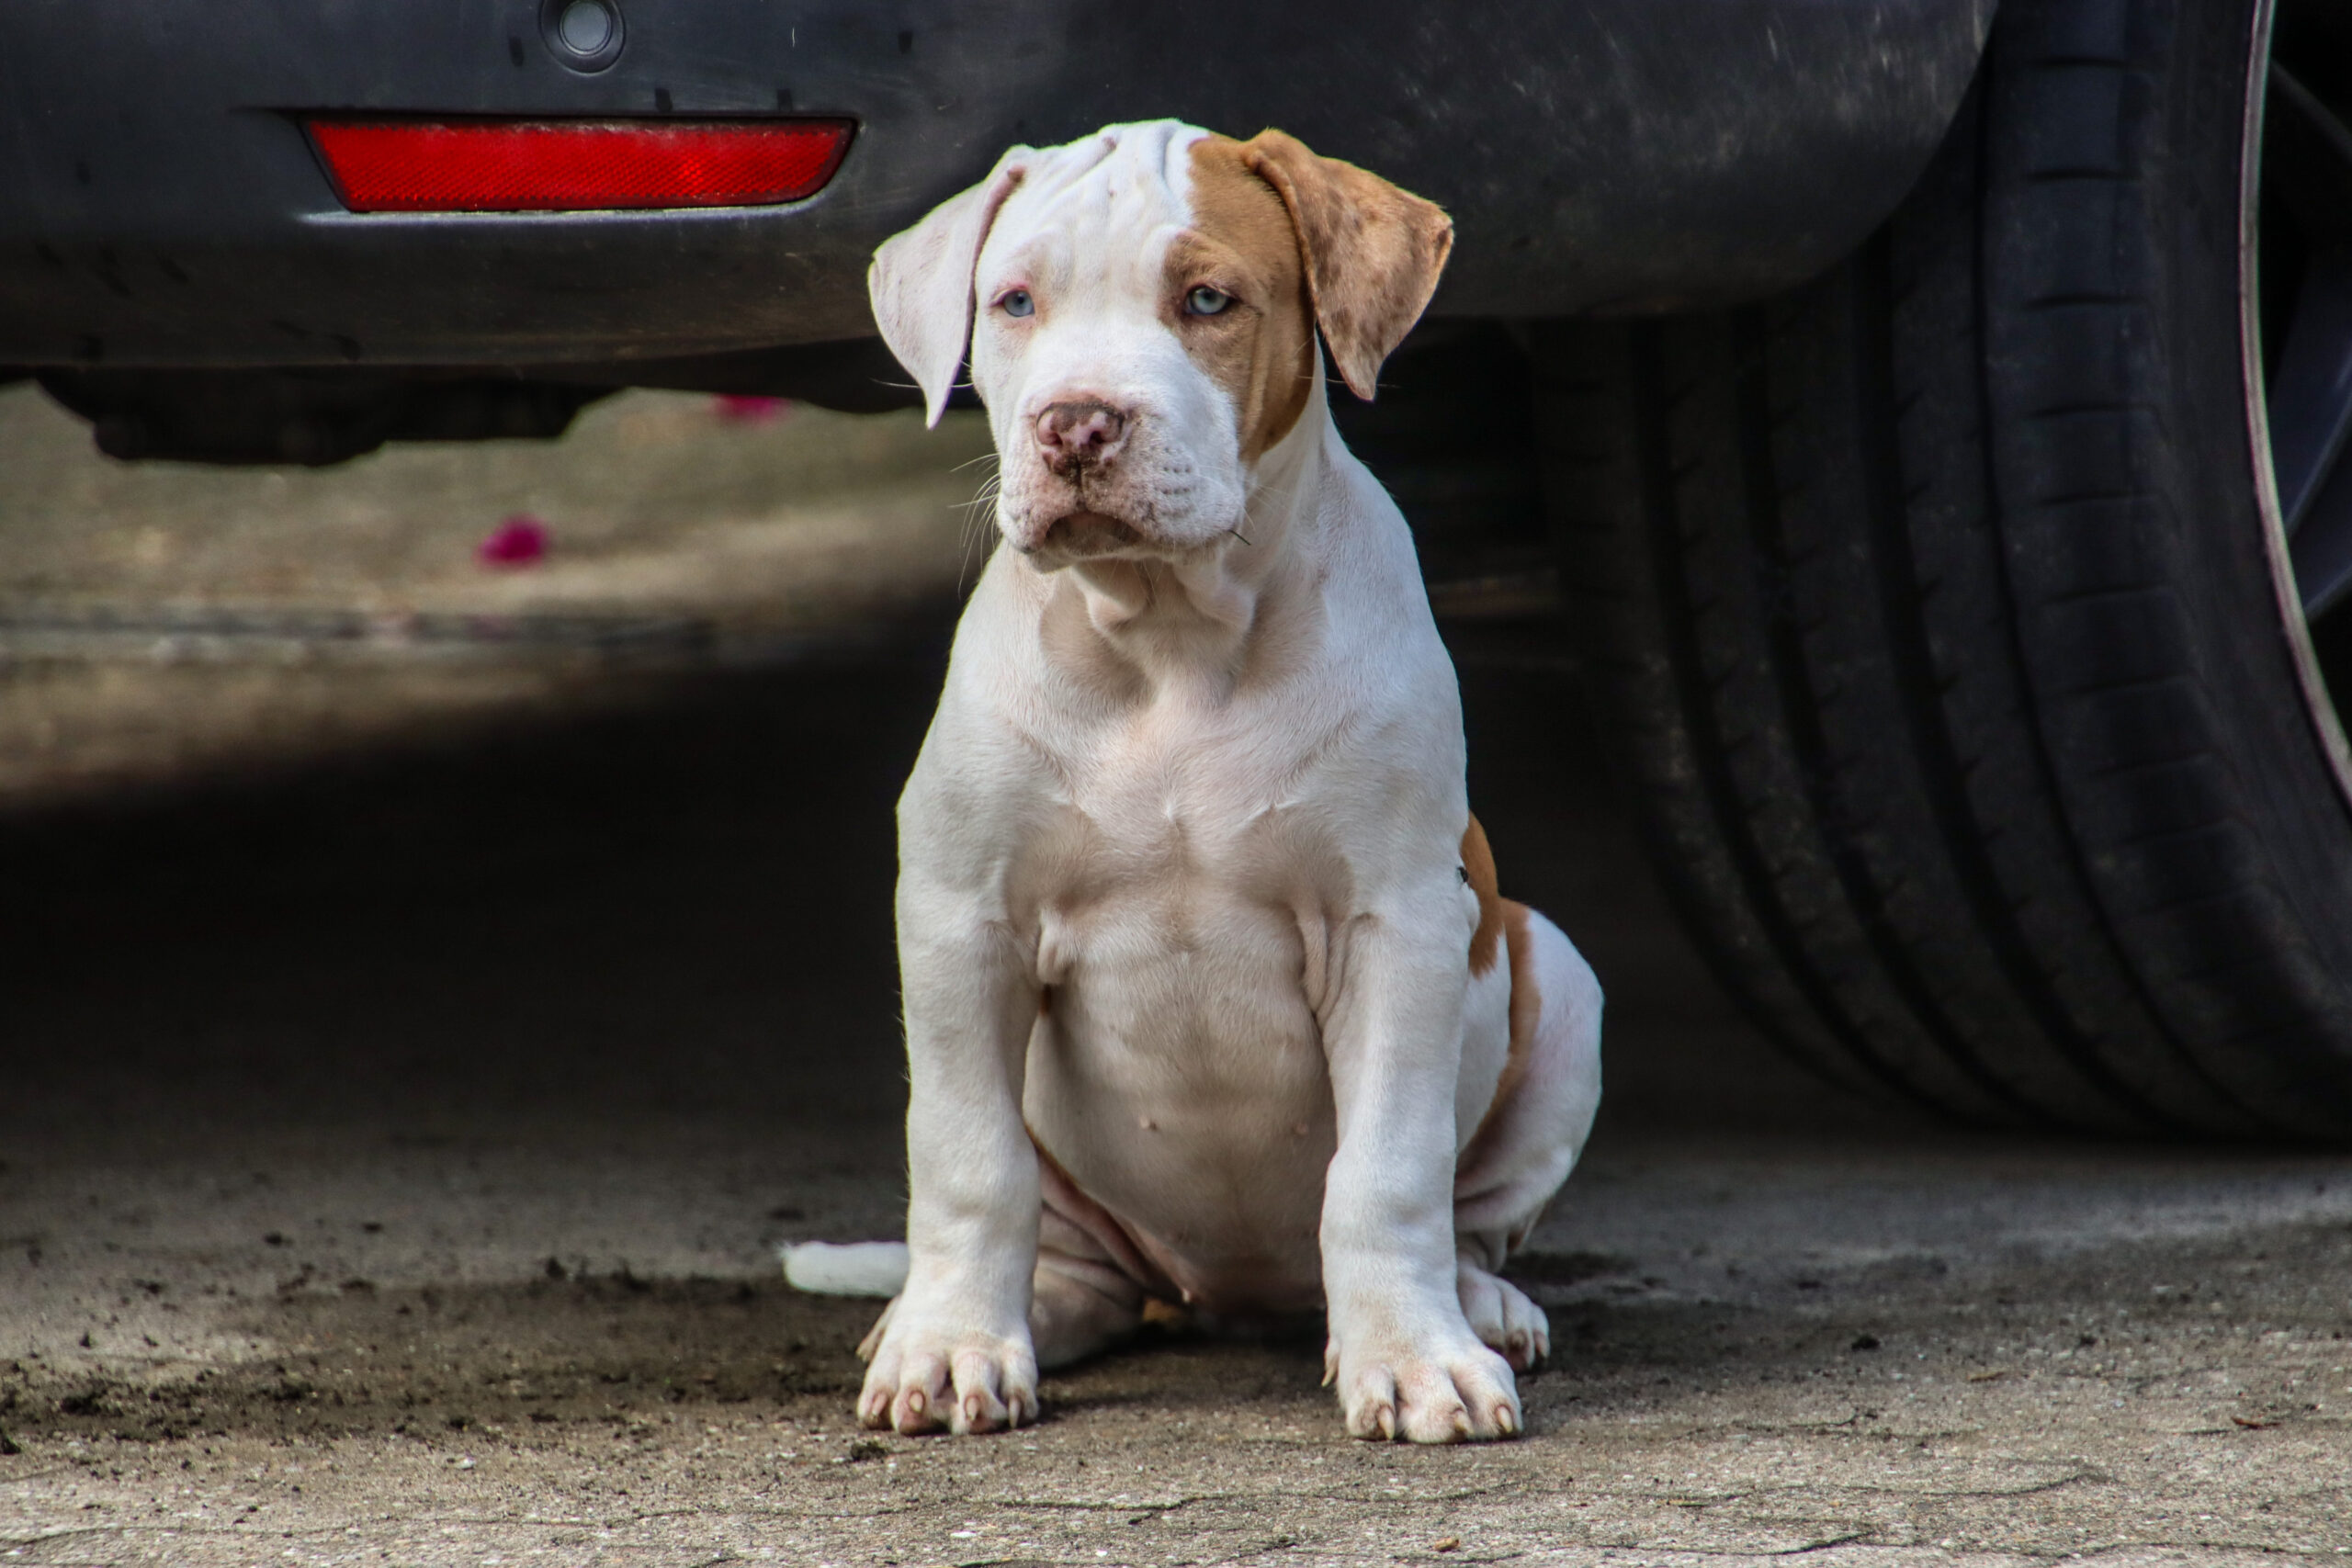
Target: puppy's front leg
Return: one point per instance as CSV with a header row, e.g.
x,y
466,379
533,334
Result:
x,y
953,1349
1407,1362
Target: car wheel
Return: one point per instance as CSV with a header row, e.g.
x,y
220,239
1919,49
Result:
x,y
1964,622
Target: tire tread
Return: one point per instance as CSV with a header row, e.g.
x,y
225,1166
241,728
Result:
x,y
1914,710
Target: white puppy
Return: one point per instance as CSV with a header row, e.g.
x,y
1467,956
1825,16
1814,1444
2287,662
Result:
x,y
1209,995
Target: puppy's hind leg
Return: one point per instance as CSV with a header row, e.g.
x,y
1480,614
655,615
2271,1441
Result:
x,y
1502,1317
1090,1283
1080,1309
1532,1133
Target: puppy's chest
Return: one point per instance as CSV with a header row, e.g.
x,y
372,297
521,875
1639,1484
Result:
x,y
1190,817
1182,890
1176,852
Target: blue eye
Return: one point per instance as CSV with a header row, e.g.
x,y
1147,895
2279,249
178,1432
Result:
x,y
1018,303
1206,302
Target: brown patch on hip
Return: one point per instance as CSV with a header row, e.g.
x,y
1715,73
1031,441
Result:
x,y
1260,348
1526,1012
1478,870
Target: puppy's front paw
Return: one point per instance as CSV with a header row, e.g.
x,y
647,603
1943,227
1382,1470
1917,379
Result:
x,y
922,1379
1453,1391
1503,1318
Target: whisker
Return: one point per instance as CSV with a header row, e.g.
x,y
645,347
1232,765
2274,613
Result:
x,y
975,523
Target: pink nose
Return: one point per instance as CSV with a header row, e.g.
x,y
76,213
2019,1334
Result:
x,y
1079,433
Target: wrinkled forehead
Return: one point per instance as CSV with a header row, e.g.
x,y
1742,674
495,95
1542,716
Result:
x,y
1097,208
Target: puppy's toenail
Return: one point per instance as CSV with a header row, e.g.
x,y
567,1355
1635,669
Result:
x,y
917,1403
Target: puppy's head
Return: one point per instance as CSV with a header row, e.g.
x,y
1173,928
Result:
x,y
1140,309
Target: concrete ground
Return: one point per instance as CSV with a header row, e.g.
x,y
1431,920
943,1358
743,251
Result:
x,y
411,1058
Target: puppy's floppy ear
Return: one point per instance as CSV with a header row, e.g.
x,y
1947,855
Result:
x,y
921,282
1372,252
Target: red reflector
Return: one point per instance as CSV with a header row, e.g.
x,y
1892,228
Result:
x,y
558,165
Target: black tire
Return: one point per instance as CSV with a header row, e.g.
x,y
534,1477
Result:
x,y
1931,612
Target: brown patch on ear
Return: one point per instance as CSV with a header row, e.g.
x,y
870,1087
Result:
x,y
1526,1010
1241,240
1373,252
1478,869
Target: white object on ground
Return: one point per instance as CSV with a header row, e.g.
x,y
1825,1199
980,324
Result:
x,y
846,1269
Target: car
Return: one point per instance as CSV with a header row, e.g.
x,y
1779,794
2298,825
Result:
x,y
1928,426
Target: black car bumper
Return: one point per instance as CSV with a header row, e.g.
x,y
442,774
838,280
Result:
x,y
161,206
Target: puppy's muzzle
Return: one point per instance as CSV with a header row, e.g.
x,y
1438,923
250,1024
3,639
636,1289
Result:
x,y
1078,434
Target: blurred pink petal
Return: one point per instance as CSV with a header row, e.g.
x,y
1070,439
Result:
x,y
521,540
751,411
